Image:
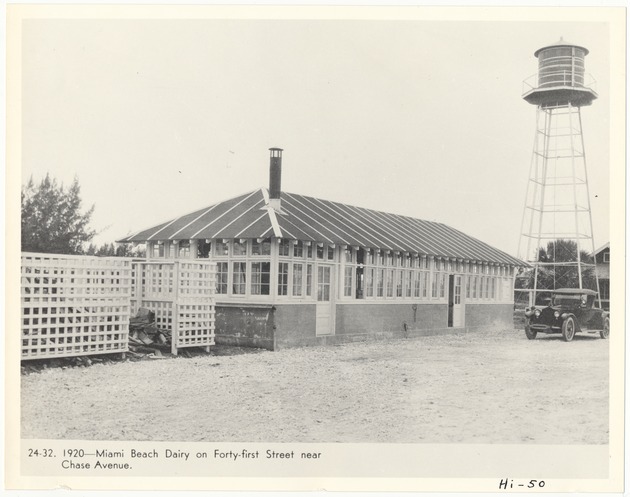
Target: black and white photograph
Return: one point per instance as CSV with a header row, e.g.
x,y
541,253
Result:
x,y
316,242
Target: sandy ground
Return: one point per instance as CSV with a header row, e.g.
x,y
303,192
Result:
x,y
485,387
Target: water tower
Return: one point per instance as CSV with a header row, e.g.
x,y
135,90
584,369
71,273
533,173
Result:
x,y
557,227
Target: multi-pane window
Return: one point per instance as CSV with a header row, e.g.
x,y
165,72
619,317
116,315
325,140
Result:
x,y
409,283
260,278
434,286
309,279
380,257
262,247
390,282
417,284
425,284
442,285
298,249
283,278
221,248
347,281
309,251
349,255
298,279
399,283
468,278
369,282
222,277
239,247
331,253
284,247
320,251
239,277
380,276
184,249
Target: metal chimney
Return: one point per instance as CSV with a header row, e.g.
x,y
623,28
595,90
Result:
x,y
275,177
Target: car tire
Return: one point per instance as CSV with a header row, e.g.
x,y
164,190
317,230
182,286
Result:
x,y
605,333
568,329
529,333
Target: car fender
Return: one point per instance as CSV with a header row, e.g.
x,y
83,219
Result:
x,y
567,315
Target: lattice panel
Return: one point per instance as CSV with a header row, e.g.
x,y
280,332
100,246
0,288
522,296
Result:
x,y
74,305
195,325
181,294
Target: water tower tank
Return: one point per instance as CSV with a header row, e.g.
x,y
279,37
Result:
x,y
561,79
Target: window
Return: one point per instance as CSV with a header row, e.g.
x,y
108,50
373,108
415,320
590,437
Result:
x,y
309,251
203,249
409,283
380,275
369,282
434,286
260,278
184,250
349,255
283,278
380,258
171,250
298,250
221,248
473,285
262,247
390,282
298,279
283,248
606,257
389,259
468,278
222,277
347,281
320,251
371,257
442,285
399,283
331,253
425,284
239,278
239,247
309,279
417,284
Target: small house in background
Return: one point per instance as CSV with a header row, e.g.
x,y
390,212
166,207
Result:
x,y
602,266
294,270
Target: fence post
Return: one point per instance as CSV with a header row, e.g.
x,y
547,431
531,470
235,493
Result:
x,y
175,320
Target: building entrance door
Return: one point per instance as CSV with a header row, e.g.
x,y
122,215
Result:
x,y
455,306
324,312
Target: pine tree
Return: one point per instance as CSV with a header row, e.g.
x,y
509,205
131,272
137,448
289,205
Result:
x,y
52,221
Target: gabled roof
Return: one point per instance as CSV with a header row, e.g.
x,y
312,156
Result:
x,y
603,247
312,219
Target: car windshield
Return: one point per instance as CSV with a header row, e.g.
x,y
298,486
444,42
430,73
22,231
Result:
x,y
568,300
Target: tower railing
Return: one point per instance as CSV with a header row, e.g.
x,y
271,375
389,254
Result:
x,y
546,79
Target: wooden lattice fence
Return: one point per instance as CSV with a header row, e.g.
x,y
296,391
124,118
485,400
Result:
x,y
181,294
74,305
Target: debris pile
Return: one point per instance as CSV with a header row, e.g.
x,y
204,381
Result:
x,y
145,337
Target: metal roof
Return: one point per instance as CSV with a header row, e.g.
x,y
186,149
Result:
x,y
312,219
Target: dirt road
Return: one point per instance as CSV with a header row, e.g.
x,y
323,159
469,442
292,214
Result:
x,y
485,387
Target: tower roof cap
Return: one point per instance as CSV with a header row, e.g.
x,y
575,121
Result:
x,y
561,43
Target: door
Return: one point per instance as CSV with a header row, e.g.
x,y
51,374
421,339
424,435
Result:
x,y
455,306
324,318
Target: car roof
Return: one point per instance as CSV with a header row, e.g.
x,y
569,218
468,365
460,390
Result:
x,y
575,291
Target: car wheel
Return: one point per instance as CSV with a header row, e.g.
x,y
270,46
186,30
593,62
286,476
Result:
x,y
605,333
529,333
568,329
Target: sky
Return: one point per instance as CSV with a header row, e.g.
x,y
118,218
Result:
x,y
160,117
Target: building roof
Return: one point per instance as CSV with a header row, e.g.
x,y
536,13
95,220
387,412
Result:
x,y
600,249
312,219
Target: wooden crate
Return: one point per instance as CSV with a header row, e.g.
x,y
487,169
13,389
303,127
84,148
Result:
x,y
74,305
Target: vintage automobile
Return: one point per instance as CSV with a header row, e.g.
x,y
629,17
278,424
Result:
x,y
570,311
